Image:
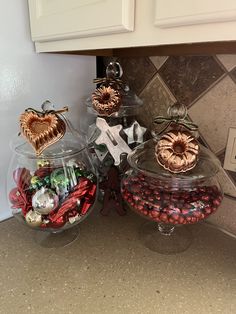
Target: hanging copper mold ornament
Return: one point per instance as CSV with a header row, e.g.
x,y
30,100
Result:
x,y
177,149
106,99
42,128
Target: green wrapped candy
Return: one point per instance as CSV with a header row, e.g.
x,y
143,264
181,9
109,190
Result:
x,y
78,173
87,174
46,180
35,183
59,178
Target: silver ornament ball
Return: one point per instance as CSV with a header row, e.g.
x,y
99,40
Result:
x,y
44,201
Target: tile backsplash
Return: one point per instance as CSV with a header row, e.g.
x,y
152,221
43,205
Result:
x,y
207,86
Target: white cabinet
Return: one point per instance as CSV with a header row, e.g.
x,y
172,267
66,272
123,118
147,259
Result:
x,y
63,19
170,13
68,25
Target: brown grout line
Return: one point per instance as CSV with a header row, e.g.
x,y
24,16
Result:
x,y
148,82
231,76
229,177
208,89
149,57
157,75
220,64
166,87
202,137
221,151
217,153
167,57
211,86
143,87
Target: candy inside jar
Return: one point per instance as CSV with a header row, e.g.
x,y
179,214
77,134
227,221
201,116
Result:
x,y
162,203
54,188
170,199
52,196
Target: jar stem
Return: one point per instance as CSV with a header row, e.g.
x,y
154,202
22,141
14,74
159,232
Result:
x,y
166,229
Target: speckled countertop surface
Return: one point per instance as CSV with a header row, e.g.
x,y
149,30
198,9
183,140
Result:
x,y
108,270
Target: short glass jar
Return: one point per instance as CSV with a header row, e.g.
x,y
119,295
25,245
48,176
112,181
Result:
x,y
54,191
169,199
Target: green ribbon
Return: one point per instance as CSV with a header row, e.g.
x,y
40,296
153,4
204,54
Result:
x,y
181,121
43,113
109,81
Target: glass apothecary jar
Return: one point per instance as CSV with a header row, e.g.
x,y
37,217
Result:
x,y
114,131
130,102
170,200
52,191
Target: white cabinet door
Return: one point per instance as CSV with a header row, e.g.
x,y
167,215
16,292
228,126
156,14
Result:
x,y
64,19
172,13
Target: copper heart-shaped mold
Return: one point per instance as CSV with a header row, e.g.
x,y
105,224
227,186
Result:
x,y
41,131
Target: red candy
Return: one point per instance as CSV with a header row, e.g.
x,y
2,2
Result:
x,y
85,188
155,213
15,198
43,171
20,199
160,203
58,223
77,202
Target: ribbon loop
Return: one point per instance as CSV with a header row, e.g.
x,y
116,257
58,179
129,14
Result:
x,y
110,81
44,112
183,122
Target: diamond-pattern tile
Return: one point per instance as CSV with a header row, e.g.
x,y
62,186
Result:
x,y
233,75
229,61
190,76
137,72
156,98
158,61
215,113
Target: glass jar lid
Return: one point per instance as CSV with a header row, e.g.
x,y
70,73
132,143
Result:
x,y
68,146
130,102
46,134
143,159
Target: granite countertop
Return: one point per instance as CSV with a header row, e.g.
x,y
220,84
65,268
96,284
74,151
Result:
x,y
108,270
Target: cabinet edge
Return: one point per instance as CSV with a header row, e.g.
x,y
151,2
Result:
x,y
204,48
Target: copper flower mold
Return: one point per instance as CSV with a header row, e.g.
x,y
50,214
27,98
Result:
x,y
177,151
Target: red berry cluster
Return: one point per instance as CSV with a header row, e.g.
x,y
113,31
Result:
x,y
164,204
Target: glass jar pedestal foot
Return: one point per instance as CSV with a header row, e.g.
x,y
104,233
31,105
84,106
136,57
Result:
x,y
165,238
56,239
